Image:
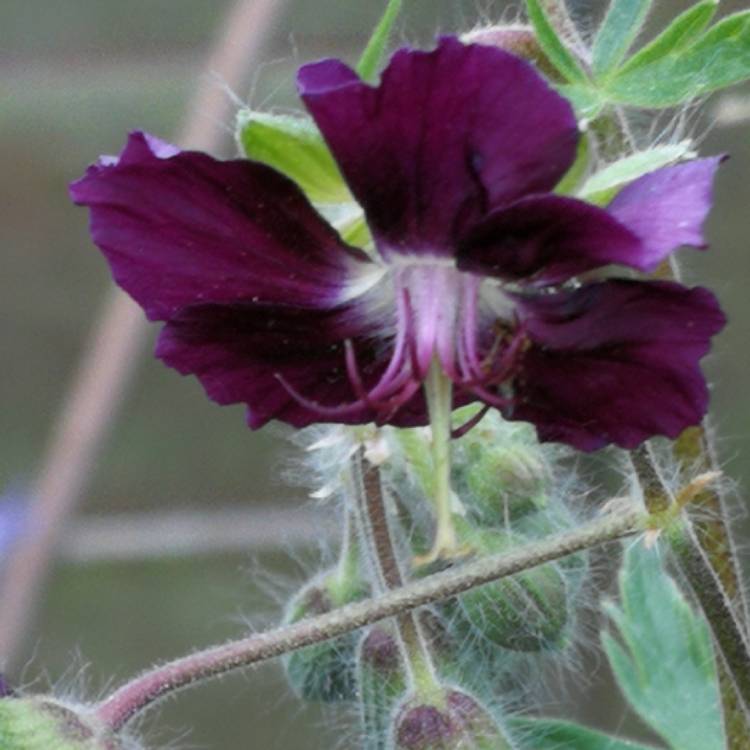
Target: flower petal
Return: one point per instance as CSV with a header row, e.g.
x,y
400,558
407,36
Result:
x,y
667,208
615,362
264,355
548,239
181,228
445,137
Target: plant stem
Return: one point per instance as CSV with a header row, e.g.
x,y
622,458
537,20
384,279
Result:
x,y
439,394
144,691
378,531
703,579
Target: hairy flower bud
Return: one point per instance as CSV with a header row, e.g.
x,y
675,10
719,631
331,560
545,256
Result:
x,y
528,612
457,722
382,683
41,723
324,672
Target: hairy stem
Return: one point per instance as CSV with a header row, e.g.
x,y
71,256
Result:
x,y
707,586
378,530
144,691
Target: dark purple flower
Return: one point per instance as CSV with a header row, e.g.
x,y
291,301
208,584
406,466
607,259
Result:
x,y
454,157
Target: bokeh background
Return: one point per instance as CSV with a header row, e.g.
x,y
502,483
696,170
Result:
x,y
75,76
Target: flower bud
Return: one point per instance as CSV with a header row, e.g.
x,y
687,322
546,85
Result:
x,y
457,722
325,671
41,723
382,683
525,612
519,40
500,471
528,612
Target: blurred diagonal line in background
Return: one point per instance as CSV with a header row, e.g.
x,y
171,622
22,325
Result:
x,y
109,360
134,537
732,109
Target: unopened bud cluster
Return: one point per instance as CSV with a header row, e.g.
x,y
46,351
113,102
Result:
x,y
503,482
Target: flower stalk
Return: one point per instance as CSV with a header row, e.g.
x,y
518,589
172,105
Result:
x,y
146,690
376,528
439,395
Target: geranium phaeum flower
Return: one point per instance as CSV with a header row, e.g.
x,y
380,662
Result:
x,y
454,157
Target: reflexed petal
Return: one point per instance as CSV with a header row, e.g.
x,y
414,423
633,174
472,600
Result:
x,y
615,362
548,238
180,228
667,208
446,136
247,353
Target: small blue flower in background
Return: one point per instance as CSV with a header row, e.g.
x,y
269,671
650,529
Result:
x,y
13,512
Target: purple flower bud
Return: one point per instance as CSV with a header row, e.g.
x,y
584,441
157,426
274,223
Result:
x,y
459,722
380,651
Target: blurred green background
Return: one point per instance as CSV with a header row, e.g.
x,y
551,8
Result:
x,y
75,76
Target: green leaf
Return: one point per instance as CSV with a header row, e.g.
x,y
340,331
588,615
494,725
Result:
x,y
554,734
720,58
602,186
294,146
621,25
586,100
676,37
553,46
368,64
664,665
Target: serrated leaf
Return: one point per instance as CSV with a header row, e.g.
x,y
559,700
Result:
x,y
368,64
664,663
554,734
552,45
620,27
294,146
720,58
602,186
676,37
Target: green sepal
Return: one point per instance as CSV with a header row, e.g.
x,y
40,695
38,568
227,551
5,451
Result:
x,y
553,46
574,176
676,37
355,232
40,723
368,64
664,662
293,145
719,58
554,734
602,186
620,27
